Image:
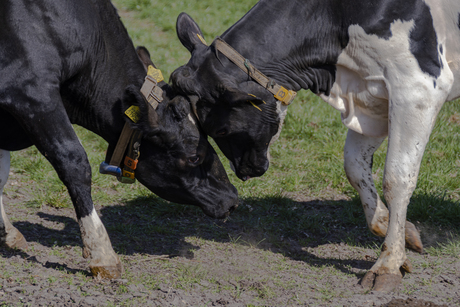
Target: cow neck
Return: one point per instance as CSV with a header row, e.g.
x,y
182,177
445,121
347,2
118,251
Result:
x,y
295,42
111,64
279,92
129,142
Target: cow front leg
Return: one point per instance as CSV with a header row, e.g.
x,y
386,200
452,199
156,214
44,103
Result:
x,y
410,125
97,247
358,156
9,235
74,170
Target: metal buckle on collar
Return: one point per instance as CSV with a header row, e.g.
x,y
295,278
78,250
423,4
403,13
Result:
x,y
279,92
151,91
154,95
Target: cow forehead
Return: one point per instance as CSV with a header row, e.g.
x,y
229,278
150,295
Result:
x,y
191,118
190,129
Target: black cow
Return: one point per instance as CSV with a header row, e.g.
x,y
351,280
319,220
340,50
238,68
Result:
x,y
387,65
64,62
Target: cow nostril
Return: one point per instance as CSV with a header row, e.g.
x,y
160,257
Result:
x,y
233,208
222,132
230,210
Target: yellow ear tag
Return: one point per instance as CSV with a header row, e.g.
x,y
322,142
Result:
x,y
133,113
202,39
155,73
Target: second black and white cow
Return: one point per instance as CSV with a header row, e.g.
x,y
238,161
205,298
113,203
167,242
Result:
x,y
64,62
387,65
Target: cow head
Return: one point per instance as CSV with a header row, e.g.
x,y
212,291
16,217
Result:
x,y
176,161
239,114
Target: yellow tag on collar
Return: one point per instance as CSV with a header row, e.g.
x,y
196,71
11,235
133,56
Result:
x,y
155,73
129,175
285,96
133,113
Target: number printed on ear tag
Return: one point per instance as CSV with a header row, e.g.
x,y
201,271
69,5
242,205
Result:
x,y
285,96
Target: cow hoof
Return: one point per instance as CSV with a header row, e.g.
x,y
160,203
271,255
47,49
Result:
x,y
413,240
406,267
108,271
381,283
367,282
15,240
387,282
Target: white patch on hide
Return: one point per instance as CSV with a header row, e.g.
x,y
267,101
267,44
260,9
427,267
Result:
x,y
281,109
367,70
191,119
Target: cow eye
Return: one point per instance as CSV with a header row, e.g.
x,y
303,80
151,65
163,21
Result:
x,y
221,132
194,159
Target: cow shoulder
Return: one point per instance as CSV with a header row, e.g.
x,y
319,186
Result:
x,y
378,57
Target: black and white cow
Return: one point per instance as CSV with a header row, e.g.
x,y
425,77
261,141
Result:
x,y
387,65
64,62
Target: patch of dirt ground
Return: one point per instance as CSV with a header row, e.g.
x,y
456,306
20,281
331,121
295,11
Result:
x,y
192,260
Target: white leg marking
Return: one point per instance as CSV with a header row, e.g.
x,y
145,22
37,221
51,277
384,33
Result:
x,y
9,235
96,242
4,172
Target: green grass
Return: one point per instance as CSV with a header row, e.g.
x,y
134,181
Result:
x,y
154,25
308,158
307,161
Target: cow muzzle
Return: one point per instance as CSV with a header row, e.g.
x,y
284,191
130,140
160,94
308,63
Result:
x,y
250,166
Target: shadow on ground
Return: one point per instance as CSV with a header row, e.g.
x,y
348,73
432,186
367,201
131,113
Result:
x,y
150,225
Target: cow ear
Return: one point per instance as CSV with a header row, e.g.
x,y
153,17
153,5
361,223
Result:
x,y
248,91
142,116
235,96
189,33
144,56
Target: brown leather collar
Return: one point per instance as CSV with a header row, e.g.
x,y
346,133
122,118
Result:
x,y
280,93
124,169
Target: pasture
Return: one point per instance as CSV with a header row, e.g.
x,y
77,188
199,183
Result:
x,y
298,238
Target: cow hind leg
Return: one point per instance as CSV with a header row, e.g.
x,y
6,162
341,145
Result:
x,y
9,235
358,154
53,135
